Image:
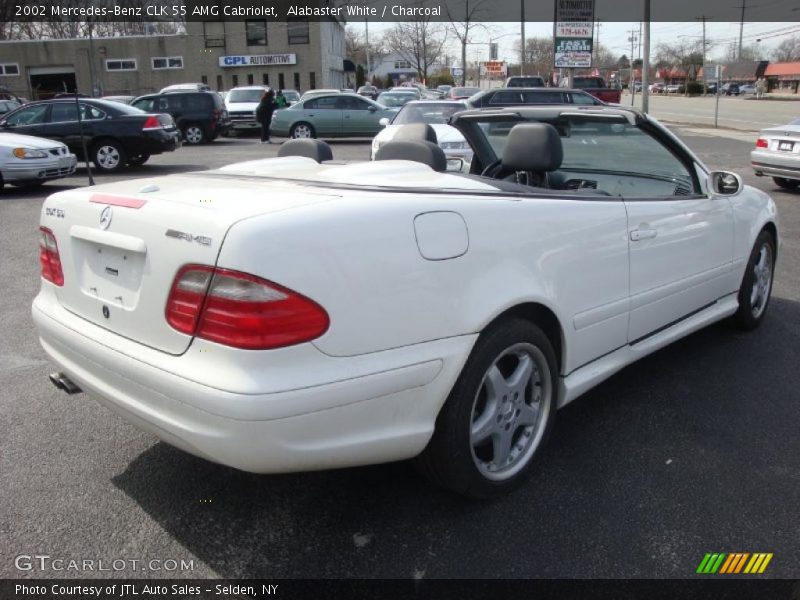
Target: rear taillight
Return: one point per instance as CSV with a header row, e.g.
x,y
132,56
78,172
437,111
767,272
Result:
x,y
761,143
241,310
49,258
151,123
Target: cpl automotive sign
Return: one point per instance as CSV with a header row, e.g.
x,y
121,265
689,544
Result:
x,y
257,60
573,27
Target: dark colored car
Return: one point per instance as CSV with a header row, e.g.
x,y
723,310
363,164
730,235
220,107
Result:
x,y
528,96
116,134
370,91
200,116
731,89
8,105
525,81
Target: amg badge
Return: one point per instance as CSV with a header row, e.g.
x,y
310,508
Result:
x,y
200,239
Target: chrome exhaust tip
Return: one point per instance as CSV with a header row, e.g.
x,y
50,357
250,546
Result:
x,y
64,383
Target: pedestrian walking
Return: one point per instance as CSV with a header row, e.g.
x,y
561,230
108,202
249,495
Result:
x,y
264,112
761,88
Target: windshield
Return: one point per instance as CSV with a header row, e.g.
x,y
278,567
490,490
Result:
x,y
395,99
245,96
615,156
432,113
464,91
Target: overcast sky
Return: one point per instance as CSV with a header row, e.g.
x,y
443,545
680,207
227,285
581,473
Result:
x,y
615,36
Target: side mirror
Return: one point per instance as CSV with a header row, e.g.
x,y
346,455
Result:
x,y
384,121
455,164
372,108
725,183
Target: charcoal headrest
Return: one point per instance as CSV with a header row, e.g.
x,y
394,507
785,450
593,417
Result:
x,y
314,149
424,152
419,132
533,147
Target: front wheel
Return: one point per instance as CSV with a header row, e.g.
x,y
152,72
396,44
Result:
x,y
109,156
302,131
756,289
787,184
497,415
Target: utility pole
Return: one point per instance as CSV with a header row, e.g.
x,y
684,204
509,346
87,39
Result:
x,y
646,57
366,50
522,37
597,38
705,75
741,30
632,39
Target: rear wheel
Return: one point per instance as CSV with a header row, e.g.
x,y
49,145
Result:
x,y
497,415
194,134
108,156
302,131
756,289
787,184
136,161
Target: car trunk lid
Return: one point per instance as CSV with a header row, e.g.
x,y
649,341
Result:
x,y
121,245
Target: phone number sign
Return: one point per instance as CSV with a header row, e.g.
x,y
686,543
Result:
x,y
573,29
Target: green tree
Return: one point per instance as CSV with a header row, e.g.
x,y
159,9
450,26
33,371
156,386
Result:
x,y
389,82
361,76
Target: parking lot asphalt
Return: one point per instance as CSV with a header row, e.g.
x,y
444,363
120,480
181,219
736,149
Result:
x,y
694,449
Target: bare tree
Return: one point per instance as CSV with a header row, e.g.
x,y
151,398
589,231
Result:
x,y
419,42
684,54
787,51
356,47
464,18
539,55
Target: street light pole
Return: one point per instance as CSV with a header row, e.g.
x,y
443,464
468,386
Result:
x,y
522,37
366,48
646,57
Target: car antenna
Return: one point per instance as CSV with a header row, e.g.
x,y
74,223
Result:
x,y
83,138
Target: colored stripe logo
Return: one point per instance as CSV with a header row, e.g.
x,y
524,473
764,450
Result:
x,y
734,563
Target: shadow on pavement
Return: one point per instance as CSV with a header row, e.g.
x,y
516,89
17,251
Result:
x,y
693,448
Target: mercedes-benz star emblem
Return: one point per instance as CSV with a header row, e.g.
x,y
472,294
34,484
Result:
x,y
105,217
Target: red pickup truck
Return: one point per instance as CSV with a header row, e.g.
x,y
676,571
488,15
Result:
x,y
596,86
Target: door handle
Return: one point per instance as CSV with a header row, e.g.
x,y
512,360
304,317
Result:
x,y
643,234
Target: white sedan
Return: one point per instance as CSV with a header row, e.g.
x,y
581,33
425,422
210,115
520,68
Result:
x,y
26,160
433,113
290,314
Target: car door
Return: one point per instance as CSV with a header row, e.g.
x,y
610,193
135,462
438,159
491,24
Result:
x,y
359,117
30,120
680,238
324,114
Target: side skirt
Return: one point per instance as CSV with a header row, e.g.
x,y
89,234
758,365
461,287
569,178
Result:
x,y
582,380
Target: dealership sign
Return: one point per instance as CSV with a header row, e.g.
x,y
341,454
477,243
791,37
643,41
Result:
x,y
257,60
573,27
493,68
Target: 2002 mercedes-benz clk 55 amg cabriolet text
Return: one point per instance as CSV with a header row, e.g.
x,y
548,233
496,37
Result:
x,y
292,314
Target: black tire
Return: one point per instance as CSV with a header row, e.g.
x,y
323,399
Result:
x,y
194,134
787,184
108,156
136,161
298,128
753,304
452,459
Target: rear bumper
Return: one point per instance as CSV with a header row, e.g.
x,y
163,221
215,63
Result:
x,y
775,164
155,142
386,412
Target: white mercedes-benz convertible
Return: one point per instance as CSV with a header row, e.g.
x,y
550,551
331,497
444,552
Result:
x,y
293,314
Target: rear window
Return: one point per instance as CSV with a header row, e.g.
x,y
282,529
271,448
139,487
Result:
x,y
245,96
525,82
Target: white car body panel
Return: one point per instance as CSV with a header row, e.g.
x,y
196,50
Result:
x,y
409,278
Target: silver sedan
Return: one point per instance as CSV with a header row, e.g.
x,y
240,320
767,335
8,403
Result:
x,y
26,160
777,154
